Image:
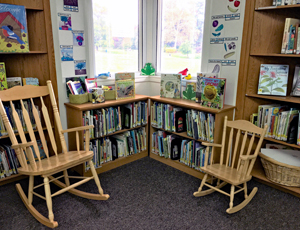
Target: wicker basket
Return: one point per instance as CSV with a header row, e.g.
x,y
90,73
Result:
x,y
79,99
280,173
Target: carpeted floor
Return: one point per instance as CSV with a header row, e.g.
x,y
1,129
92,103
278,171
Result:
x,y
147,194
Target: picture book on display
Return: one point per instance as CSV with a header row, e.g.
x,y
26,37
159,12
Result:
x,y
296,82
200,76
273,79
125,89
170,85
125,76
31,81
213,92
90,83
3,81
75,87
13,81
190,91
13,33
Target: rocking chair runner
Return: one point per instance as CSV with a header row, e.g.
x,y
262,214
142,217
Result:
x,y
51,164
235,171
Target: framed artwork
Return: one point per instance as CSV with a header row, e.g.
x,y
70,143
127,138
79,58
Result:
x,y
125,89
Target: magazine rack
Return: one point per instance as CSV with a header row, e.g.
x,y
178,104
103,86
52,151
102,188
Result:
x,y
51,164
238,166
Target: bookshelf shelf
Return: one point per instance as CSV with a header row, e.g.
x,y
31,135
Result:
x,y
11,178
183,134
219,119
74,119
288,99
262,40
6,136
29,53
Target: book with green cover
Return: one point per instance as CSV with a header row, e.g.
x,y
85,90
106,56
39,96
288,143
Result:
x,y
3,81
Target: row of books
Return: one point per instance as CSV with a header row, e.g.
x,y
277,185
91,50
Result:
x,y
9,162
17,105
121,145
283,122
188,152
112,119
197,124
285,2
290,41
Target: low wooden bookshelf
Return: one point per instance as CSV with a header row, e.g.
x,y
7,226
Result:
x,y
74,119
187,104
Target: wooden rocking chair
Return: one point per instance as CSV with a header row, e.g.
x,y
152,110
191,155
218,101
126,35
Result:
x,y
51,164
235,171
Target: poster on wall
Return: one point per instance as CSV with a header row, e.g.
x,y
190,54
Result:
x,y
78,39
66,53
71,5
64,21
80,67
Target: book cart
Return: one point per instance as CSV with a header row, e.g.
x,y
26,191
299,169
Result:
x,y
187,104
262,42
39,61
74,119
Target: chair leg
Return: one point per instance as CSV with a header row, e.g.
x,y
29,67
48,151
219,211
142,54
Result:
x,y
48,198
66,178
30,189
245,190
231,196
96,178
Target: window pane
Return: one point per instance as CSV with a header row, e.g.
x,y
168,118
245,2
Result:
x,y
116,24
182,33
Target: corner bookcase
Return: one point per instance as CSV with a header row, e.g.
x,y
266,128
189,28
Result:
x,y
74,119
187,104
39,62
262,39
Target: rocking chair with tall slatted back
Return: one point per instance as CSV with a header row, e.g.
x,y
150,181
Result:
x,y
51,164
239,162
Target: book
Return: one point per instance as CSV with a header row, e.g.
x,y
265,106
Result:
x,y
31,81
78,79
124,89
200,76
90,83
213,92
296,82
170,85
77,88
13,81
14,35
289,22
3,81
190,91
273,79
125,76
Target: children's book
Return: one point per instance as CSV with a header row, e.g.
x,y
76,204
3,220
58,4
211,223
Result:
x,y
80,79
296,82
13,33
200,76
124,76
3,81
90,83
170,85
125,89
273,79
31,81
213,92
190,91
13,81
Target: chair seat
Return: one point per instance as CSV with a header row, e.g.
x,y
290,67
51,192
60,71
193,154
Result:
x,y
54,164
225,173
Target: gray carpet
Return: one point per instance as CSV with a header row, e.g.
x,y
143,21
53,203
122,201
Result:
x,y
147,194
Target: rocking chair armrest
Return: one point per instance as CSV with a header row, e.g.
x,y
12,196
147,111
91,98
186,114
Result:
x,y
211,144
245,158
19,146
77,129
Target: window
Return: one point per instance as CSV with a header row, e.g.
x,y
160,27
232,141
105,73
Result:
x,y
117,35
180,33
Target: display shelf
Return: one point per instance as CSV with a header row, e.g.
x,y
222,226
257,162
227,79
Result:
x,y
262,40
219,119
74,119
